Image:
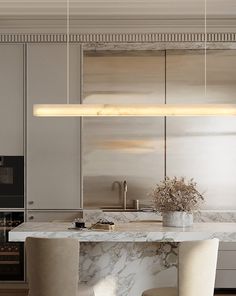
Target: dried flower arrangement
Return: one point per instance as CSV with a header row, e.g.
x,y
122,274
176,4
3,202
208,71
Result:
x,y
173,194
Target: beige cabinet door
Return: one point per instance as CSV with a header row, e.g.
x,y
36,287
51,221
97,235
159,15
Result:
x,y
225,279
122,148
53,144
11,99
198,147
53,216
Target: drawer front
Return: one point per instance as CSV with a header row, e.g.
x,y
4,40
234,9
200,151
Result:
x,y
226,260
225,279
227,246
50,216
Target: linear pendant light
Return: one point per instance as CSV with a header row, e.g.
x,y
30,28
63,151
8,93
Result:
x,y
70,110
81,110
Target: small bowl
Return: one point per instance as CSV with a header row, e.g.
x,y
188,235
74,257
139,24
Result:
x,y
79,224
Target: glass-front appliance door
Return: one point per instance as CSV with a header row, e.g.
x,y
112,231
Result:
x,y
11,254
11,181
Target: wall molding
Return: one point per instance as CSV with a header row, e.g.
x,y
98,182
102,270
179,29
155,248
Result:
x,y
118,38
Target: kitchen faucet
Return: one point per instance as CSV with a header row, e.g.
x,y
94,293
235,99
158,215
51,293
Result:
x,y
123,188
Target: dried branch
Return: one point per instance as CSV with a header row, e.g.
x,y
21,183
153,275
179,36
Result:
x,y
177,195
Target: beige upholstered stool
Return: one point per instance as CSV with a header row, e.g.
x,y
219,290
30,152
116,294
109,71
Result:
x,y
52,266
196,273
161,292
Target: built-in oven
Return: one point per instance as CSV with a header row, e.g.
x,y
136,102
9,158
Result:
x,y
11,253
11,182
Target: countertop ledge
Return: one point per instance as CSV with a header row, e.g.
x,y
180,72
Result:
x,y
127,232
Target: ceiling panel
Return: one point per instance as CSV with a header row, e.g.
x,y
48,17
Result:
x,y
159,8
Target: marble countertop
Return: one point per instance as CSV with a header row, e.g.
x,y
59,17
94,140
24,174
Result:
x,y
127,232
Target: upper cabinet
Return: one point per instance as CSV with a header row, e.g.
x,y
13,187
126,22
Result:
x,y
53,144
203,148
11,99
122,148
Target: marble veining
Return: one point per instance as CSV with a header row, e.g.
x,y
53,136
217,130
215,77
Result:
x,y
133,267
168,253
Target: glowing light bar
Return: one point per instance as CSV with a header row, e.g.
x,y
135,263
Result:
x,y
83,110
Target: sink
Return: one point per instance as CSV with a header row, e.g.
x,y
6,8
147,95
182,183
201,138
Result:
x,y
119,210
146,221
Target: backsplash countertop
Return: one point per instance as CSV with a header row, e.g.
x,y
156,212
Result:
x,y
92,216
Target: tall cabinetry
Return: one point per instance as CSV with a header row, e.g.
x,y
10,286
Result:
x,y
203,147
53,144
30,74
11,99
12,212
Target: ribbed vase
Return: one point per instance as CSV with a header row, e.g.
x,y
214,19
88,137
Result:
x,y
177,219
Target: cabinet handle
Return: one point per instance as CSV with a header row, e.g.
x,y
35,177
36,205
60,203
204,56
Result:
x,y
31,217
31,202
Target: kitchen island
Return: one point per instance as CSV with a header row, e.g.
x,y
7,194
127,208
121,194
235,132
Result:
x,y
134,257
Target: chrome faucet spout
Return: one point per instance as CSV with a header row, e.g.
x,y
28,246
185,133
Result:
x,y
125,186
119,185
125,189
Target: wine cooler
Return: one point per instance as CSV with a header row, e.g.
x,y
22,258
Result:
x,y
11,254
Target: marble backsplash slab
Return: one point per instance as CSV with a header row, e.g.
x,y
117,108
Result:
x,y
215,216
92,216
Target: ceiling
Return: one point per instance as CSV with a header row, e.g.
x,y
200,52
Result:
x,y
112,8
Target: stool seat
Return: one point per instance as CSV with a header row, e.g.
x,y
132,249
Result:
x,y
161,292
84,290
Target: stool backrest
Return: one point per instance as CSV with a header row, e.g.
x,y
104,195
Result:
x,y
52,266
197,267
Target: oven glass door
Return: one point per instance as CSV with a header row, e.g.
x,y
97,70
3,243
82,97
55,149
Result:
x,y
11,181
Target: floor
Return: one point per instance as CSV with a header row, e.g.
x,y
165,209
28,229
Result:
x,y
9,292
24,293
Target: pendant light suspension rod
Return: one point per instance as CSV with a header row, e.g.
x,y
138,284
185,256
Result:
x,y
205,46
67,51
